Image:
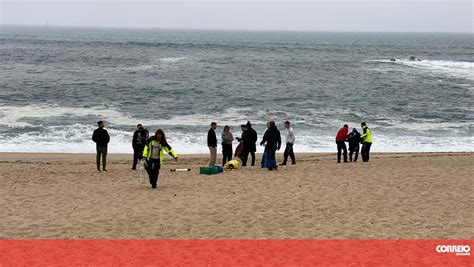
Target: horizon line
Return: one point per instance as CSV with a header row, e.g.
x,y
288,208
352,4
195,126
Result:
x,y
157,28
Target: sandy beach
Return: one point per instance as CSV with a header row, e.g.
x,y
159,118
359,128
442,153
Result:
x,y
395,196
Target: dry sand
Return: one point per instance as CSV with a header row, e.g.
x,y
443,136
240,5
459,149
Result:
x,y
395,196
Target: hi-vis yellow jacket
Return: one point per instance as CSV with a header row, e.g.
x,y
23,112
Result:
x,y
148,150
367,135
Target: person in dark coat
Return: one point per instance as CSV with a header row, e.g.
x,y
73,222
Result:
x,y
253,137
140,136
244,139
272,141
101,138
354,140
212,144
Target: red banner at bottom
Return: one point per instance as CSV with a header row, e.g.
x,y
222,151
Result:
x,y
235,252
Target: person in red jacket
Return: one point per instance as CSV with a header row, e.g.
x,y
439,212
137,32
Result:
x,y
341,138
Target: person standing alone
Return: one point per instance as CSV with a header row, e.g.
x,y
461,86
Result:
x,y
341,138
140,136
290,141
366,142
212,144
101,138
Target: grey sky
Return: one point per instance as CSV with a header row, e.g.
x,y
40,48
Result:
x,y
381,15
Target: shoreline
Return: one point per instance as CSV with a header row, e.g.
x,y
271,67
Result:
x,y
121,157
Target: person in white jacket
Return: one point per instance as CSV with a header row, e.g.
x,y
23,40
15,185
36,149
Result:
x,y
290,141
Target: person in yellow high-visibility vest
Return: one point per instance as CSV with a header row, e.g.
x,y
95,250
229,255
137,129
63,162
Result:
x,y
153,153
366,139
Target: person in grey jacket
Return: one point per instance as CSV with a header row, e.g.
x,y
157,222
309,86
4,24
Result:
x,y
227,139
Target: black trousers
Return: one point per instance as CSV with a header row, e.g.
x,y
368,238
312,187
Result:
x,y
101,153
137,155
153,170
341,147
245,155
355,151
365,151
226,153
289,152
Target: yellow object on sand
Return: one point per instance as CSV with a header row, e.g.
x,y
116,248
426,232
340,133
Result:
x,y
232,164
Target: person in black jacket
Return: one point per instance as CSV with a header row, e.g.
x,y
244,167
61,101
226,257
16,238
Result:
x,y
140,136
245,140
101,138
272,138
212,144
252,147
354,139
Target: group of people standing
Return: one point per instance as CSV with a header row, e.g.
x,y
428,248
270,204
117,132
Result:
x,y
247,144
354,139
151,148
144,147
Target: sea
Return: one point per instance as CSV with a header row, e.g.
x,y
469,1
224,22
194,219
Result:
x,y
57,82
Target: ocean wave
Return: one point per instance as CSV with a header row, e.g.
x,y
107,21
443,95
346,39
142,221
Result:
x,y
458,69
160,62
171,59
77,139
15,116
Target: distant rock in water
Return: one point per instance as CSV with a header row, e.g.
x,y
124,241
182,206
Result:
x,y
393,60
413,58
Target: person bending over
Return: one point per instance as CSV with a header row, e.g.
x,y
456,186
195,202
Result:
x,y
354,139
341,138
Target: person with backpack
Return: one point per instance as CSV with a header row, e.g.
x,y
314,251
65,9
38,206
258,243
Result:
x,y
153,154
140,136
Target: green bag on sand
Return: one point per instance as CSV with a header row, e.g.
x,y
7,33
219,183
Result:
x,y
209,170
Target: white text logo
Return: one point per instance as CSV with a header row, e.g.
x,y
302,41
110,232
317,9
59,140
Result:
x,y
459,250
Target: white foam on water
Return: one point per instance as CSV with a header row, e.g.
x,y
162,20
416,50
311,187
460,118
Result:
x,y
77,139
11,116
158,63
459,69
171,59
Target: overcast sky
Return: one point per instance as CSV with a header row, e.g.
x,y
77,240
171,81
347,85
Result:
x,y
316,15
